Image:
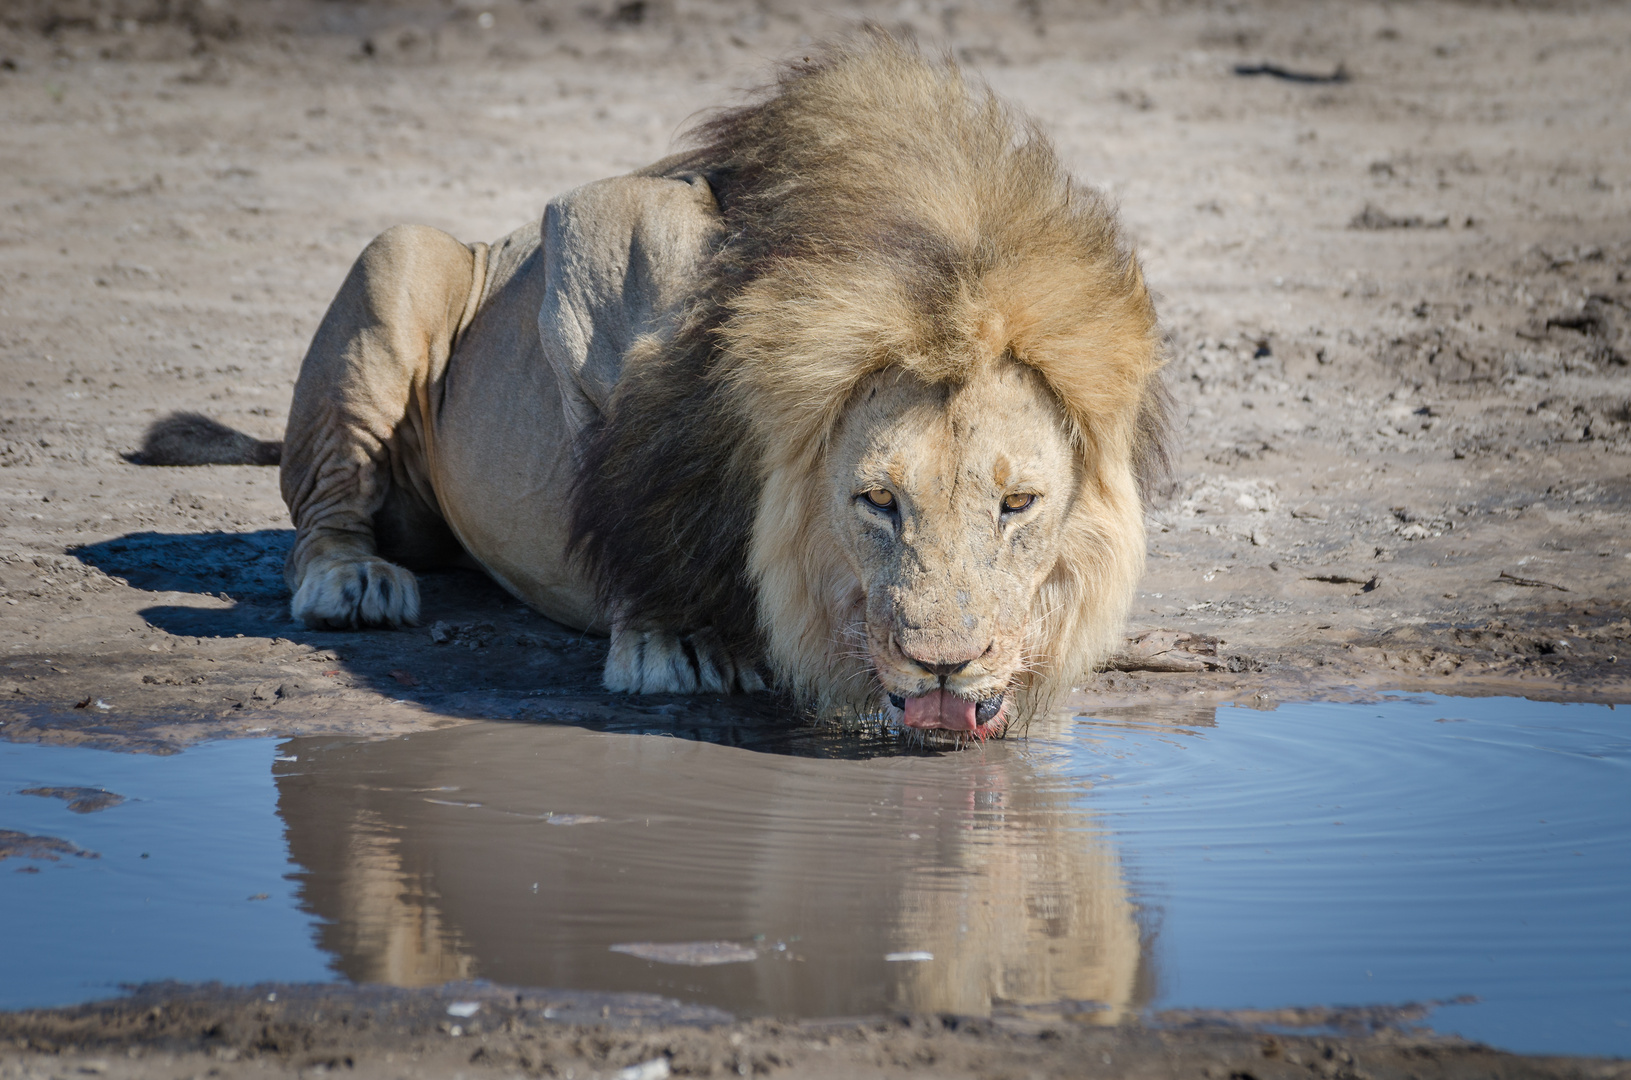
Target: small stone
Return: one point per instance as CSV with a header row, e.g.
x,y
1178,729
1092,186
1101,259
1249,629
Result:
x,y
655,1069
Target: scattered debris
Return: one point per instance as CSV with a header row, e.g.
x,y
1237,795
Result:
x,y
690,953
1530,583
268,692
911,956
655,1069
405,678
1413,525
1338,75
571,819
1373,217
464,1010
474,635
1350,1020
1368,584
1167,650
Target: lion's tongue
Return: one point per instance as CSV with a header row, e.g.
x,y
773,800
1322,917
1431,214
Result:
x,y
941,710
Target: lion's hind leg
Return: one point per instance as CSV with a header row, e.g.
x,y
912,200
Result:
x,y
356,471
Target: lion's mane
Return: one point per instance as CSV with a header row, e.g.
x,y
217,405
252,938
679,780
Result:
x,y
879,209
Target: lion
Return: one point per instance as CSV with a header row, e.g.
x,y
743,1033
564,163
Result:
x,y
856,397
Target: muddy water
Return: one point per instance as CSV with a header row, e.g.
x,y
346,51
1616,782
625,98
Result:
x,y
1317,854
556,857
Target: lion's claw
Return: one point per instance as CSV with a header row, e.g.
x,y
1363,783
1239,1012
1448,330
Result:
x,y
343,595
662,662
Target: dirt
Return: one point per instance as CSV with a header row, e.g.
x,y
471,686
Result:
x,y
1391,245
305,1031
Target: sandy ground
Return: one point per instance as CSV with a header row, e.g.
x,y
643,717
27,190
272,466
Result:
x,y
1397,303
1397,307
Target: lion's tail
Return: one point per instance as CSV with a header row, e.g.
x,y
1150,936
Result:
x,y
189,438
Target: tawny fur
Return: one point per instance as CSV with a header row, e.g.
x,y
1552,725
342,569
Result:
x,y
876,276
881,211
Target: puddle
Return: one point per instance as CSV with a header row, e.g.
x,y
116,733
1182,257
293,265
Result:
x,y
1129,862
162,887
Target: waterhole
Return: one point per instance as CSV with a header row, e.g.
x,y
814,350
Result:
x,y
1115,864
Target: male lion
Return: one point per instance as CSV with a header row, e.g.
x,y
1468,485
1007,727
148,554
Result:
x,y
855,397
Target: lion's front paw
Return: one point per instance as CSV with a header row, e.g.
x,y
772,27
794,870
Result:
x,y
661,662
356,592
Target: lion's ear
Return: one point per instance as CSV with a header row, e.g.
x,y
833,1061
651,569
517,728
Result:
x,y
621,258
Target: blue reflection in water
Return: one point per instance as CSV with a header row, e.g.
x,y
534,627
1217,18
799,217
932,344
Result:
x,y
206,822
1417,848
1316,854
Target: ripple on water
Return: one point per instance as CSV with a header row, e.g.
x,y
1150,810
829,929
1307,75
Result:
x,y
1132,860
1414,848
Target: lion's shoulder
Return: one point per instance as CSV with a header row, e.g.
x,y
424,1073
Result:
x,y
621,258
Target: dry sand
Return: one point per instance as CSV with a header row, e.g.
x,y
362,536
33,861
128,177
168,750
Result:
x,y
1397,303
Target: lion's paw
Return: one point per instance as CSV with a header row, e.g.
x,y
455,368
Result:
x,y
662,662
344,595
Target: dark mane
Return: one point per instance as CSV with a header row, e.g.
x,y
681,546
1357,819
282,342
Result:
x,y
819,173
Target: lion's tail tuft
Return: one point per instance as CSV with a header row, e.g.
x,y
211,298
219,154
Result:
x,y
189,438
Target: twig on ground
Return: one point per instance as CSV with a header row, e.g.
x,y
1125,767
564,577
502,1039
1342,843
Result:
x,y
1340,75
1530,583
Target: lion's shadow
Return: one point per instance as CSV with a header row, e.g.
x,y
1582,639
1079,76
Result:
x,y
482,654
245,566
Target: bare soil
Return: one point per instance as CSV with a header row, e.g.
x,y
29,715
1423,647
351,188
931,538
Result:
x,y
1391,244
371,1032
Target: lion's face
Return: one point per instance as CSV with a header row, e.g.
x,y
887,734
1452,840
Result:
x,y
950,503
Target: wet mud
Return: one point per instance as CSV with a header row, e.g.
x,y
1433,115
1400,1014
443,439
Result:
x,y
276,1030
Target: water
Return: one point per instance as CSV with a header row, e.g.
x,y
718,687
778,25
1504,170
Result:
x,y
1405,851
167,896
1420,848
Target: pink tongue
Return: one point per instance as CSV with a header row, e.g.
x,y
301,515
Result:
x,y
941,710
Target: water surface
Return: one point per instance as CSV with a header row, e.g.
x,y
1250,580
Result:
x,y
167,895
1125,862
1414,849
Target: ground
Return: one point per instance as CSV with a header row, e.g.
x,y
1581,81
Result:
x,y
1394,287
279,1031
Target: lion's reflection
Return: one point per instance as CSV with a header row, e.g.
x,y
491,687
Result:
x,y
523,854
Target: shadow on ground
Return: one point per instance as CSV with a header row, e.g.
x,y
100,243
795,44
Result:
x,y
481,654
245,565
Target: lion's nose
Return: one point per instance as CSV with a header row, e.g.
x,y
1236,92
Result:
x,y
939,671
943,666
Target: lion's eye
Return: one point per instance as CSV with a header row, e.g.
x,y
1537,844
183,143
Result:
x,y
1016,502
882,499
